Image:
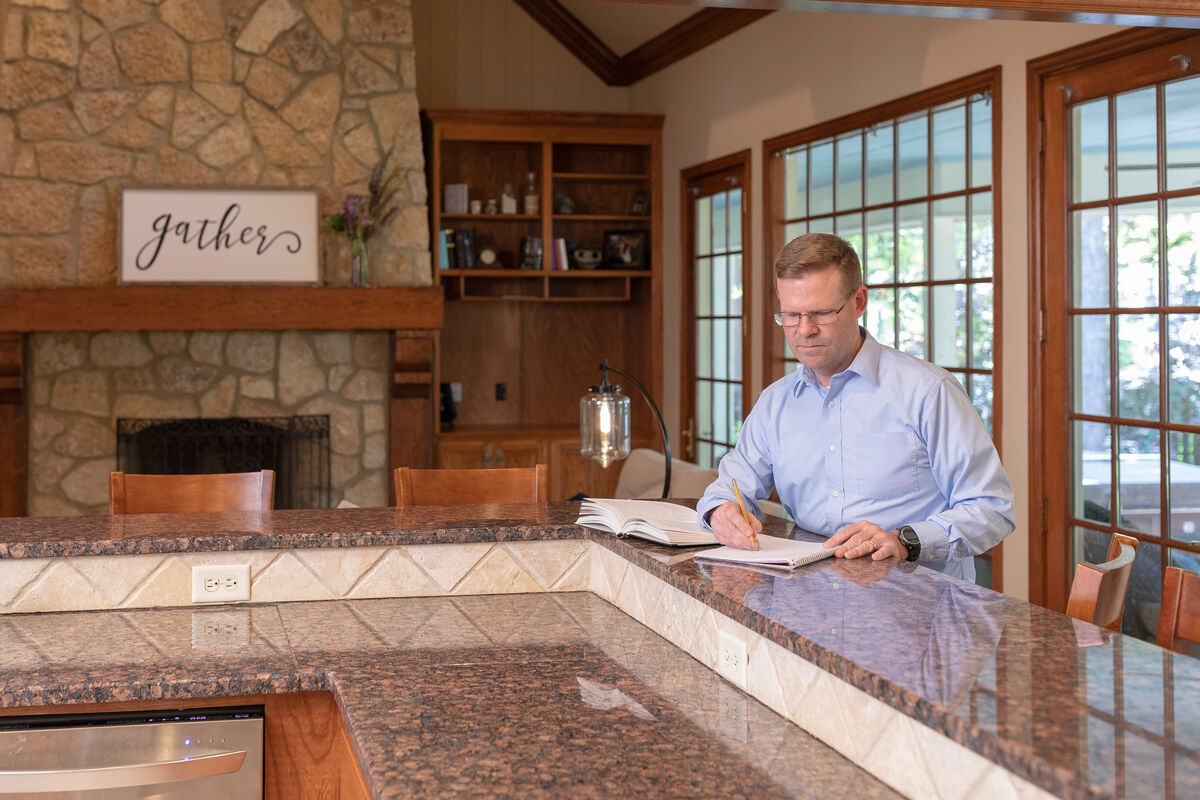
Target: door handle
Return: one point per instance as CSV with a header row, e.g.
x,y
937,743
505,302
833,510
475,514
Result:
x,y
121,775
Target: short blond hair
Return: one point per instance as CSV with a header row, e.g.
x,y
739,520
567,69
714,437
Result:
x,y
814,252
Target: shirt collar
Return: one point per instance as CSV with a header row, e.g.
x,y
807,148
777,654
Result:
x,y
865,365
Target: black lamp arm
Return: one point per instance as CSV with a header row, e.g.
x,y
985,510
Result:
x,y
662,426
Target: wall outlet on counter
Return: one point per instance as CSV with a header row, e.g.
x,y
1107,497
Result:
x,y
731,658
220,583
220,630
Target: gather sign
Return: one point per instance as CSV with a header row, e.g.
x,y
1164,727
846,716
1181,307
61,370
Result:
x,y
219,236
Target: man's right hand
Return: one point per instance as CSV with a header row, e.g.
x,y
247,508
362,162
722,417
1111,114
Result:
x,y
730,527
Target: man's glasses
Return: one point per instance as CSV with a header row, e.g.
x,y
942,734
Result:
x,y
790,319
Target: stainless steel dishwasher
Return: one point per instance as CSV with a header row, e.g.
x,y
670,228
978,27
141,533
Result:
x,y
176,754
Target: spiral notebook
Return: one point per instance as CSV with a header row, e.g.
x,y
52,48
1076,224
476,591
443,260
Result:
x,y
773,552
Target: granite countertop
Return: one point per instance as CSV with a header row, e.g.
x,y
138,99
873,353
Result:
x,y
1076,710
546,695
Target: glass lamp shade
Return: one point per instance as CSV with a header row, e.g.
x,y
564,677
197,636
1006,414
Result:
x,y
604,424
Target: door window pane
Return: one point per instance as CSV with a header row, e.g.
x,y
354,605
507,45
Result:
x,y
1089,151
1089,257
736,290
1181,118
735,219
849,227
1092,447
720,222
981,397
1183,464
880,253
1183,251
948,319
981,326
881,316
703,350
1137,255
981,142
704,226
795,183
912,320
1139,475
983,248
1137,367
1090,365
720,284
704,287
720,355
1183,359
1137,142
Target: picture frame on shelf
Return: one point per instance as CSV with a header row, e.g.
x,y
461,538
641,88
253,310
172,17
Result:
x,y
641,203
626,249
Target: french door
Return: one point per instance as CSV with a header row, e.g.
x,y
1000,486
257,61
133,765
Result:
x,y
1116,406
716,239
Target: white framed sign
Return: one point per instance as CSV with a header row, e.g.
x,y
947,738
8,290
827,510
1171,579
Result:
x,y
219,236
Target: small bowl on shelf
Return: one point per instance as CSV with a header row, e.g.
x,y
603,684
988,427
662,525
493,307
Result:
x,y
586,259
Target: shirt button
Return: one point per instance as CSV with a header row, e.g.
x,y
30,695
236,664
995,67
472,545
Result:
x,y
835,492
831,404
832,447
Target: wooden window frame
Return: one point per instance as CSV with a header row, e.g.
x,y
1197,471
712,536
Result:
x,y
773,353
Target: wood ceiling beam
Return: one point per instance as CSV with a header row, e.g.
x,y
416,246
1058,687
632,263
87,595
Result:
x,y
576,37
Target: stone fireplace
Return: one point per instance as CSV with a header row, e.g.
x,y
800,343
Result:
x,y
80,383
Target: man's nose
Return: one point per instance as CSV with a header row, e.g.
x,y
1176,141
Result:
x,y
807,327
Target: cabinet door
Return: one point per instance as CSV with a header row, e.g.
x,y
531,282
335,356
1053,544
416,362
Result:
x,y
571,472
516,453
462,454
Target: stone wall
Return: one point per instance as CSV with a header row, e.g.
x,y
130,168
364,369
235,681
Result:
x,y
96,95
81,383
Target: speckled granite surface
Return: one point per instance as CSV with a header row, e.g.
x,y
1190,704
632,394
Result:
x,y
517,696
1073,709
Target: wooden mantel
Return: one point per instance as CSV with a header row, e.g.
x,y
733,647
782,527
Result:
x,y
224,307
412,316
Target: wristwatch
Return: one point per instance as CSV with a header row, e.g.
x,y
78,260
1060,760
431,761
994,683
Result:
x,y
910,542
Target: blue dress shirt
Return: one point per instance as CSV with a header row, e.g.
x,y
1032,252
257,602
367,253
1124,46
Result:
x,y
893,440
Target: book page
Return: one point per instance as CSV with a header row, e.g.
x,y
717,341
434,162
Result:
x,y
660,514
772,550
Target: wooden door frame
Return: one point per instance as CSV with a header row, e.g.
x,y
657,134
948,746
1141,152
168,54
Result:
x,y
740,160
1047,551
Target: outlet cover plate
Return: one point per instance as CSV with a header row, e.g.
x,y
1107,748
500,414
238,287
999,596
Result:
x,y
731,658
220,583
220,630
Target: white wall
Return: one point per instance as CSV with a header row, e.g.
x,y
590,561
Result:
x,y
786,71
790,70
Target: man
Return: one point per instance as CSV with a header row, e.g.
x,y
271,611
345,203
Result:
x,y
880,451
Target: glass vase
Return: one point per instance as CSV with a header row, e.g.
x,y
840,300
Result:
x,y
360,274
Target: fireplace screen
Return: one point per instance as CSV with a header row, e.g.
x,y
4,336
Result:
x,y
297,448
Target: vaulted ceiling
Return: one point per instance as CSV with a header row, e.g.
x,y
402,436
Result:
x,y
623,41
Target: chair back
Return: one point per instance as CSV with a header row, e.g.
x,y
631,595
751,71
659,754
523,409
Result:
x,y
1179,618
171,494
448,487
1098,591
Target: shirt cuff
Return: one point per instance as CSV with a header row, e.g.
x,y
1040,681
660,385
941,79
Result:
x,y
935,546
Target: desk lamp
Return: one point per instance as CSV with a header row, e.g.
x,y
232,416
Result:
x,y
604,422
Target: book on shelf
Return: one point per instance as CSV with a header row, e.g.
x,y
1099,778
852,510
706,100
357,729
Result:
x,y
464,247
531,252
772,552
653,520
445,241
563,261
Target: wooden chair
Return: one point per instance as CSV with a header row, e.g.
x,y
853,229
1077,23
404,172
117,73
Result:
x,y
167,494
447,487
1098,591
1179,618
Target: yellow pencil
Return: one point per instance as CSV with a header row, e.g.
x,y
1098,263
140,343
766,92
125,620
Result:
x,y
745,516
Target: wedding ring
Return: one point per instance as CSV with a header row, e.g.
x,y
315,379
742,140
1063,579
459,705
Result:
x,y
873,545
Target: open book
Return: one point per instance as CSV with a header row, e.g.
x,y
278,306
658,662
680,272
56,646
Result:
x,y
772,552
655,520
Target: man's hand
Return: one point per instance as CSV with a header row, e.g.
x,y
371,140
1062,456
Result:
x,y
864,538
731,528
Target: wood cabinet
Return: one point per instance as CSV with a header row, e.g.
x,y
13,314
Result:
x,y
526,343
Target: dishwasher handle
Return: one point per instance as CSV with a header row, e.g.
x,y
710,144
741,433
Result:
x,y
122,775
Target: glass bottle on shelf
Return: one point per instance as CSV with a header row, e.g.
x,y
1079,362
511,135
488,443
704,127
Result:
x,y
508,200
531,194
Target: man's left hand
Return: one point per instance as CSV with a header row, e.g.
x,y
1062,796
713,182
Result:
x,y
865,538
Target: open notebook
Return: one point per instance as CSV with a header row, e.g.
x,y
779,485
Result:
x,y
654,520
773,552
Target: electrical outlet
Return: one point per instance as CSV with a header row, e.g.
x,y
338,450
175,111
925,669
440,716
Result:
x,y
731,658
220,583
220,630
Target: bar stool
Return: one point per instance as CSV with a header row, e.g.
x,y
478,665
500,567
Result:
x,y
1179,618
447,487
1098,590
168,494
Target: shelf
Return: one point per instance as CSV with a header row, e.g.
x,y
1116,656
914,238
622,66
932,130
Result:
x,y
548,273
600,176
601,218
493,217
